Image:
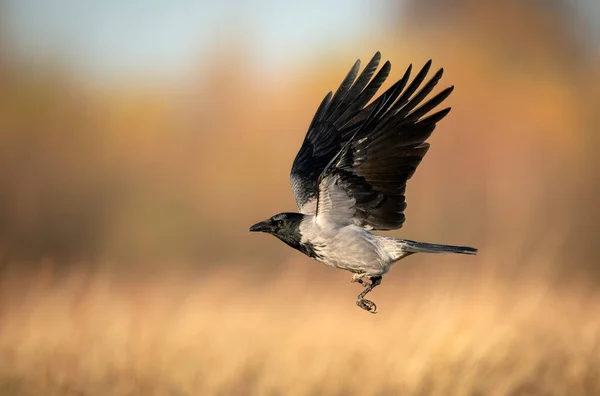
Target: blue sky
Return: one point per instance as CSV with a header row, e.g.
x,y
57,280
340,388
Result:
x,y
112,38
115,38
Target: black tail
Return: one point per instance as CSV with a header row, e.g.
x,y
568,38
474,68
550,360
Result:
x,y
422,247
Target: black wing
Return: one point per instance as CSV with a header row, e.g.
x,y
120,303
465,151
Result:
x,y
386,146
380,147
326,135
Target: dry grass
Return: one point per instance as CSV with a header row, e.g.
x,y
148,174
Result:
x,y
223,335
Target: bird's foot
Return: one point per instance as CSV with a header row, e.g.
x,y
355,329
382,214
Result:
x,y
367,305
358,277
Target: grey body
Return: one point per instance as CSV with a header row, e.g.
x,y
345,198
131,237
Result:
x,y
350,174
357,250
351,248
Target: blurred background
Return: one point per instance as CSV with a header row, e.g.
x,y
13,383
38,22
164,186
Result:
x,y
140,140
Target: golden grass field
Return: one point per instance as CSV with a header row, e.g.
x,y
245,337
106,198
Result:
x,y
233,333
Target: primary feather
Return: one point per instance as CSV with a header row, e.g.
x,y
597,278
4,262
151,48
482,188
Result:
x,y
356,158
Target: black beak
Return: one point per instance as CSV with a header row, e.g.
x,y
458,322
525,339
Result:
x,y
263,226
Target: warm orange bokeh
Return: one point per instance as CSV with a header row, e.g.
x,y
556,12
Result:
x,y
127,266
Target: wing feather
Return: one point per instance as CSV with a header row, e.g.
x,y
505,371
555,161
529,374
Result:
x,y
324,138
356,159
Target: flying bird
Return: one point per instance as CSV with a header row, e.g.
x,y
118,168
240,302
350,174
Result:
x,y
349,177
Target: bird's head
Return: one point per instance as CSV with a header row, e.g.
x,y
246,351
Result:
x,y
282,225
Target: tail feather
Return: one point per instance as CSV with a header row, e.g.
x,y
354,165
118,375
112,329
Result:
x,y
422,247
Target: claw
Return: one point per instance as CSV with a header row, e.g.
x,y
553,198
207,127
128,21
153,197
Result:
x,y
367,305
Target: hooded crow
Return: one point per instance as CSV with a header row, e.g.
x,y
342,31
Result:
x,y
349,177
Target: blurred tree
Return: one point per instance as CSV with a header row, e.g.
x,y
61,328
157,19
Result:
x,y
518,30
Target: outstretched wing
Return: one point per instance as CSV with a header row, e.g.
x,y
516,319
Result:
x,y
365,181
326,134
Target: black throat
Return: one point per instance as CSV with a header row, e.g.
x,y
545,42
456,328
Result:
x,y
289,232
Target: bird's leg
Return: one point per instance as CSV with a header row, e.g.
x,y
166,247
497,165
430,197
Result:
x,y
365,304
